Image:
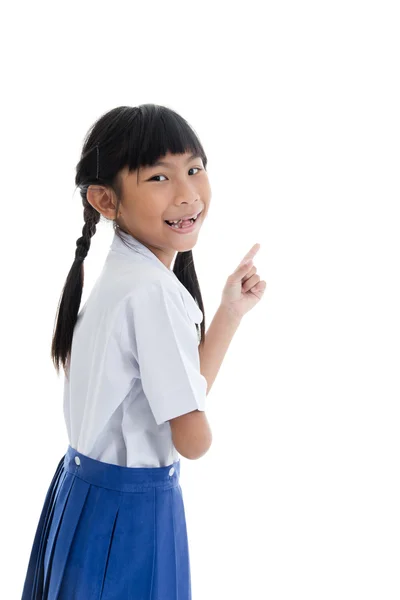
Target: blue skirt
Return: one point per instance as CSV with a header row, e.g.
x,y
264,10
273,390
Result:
x,y
110,533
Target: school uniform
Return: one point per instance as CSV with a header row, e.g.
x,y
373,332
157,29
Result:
x,y
113,522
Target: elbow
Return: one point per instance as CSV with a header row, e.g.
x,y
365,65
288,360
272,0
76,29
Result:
x,y
197,452
191,434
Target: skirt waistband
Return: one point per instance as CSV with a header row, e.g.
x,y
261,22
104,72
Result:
x,y
123,479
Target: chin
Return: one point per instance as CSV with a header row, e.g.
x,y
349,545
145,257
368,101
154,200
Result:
x,y
185,246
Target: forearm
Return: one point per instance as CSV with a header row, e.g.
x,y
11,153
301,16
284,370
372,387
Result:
x,y
217,340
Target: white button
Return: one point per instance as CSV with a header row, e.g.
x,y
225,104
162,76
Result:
x,y
171,471
77,460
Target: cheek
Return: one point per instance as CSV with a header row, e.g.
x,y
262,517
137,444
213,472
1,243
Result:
x,y
205,189
150,208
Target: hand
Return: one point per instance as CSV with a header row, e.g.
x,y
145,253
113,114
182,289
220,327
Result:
x,y
243,289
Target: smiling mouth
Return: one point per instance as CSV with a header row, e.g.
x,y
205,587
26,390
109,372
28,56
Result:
x,y
178,224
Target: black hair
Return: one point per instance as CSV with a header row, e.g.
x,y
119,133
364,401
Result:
x,y
132,137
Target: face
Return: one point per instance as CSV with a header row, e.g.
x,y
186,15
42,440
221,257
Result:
x,y
176,188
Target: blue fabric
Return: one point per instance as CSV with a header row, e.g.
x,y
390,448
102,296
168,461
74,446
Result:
x,y
110,533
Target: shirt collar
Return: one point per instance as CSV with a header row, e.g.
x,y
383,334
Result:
x,y
131,245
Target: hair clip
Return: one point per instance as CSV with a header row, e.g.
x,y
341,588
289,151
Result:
x,y
97,174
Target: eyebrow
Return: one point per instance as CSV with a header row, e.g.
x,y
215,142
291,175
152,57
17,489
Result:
x,y
162,163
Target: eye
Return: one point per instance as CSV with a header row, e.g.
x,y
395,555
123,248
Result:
x,y
191,169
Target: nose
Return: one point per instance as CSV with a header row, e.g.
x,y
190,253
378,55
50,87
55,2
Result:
x,y
189,199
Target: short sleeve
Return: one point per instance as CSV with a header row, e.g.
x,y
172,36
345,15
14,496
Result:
x,y
166,347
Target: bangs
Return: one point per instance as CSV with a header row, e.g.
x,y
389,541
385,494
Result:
x,y
161,131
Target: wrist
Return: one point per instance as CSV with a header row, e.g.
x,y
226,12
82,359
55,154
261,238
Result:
x,y
230,315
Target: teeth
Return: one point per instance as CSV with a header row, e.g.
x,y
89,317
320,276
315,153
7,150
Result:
x,y
180,220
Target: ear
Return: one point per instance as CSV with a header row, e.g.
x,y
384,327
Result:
x,y
102,199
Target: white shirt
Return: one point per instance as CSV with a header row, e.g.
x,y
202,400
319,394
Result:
x,y
134,361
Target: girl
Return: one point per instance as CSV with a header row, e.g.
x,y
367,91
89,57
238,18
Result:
x,y
137,367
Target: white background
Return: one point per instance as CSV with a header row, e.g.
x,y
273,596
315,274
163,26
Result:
x,y
297,106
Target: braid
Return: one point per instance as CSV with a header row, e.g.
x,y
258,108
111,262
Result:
x,y
91,217
72,291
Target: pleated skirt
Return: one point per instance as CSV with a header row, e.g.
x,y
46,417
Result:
x,y
110,533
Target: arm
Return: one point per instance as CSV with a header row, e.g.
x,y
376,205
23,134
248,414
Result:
x,y
242,291
217,340
191,432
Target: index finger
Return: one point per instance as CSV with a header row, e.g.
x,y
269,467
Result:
x,y
251,253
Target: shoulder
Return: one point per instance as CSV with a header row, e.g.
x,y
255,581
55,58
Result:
x,y
139,282
155,294
158,290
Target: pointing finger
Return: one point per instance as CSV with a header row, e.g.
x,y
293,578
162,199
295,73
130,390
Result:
x,y
251,253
